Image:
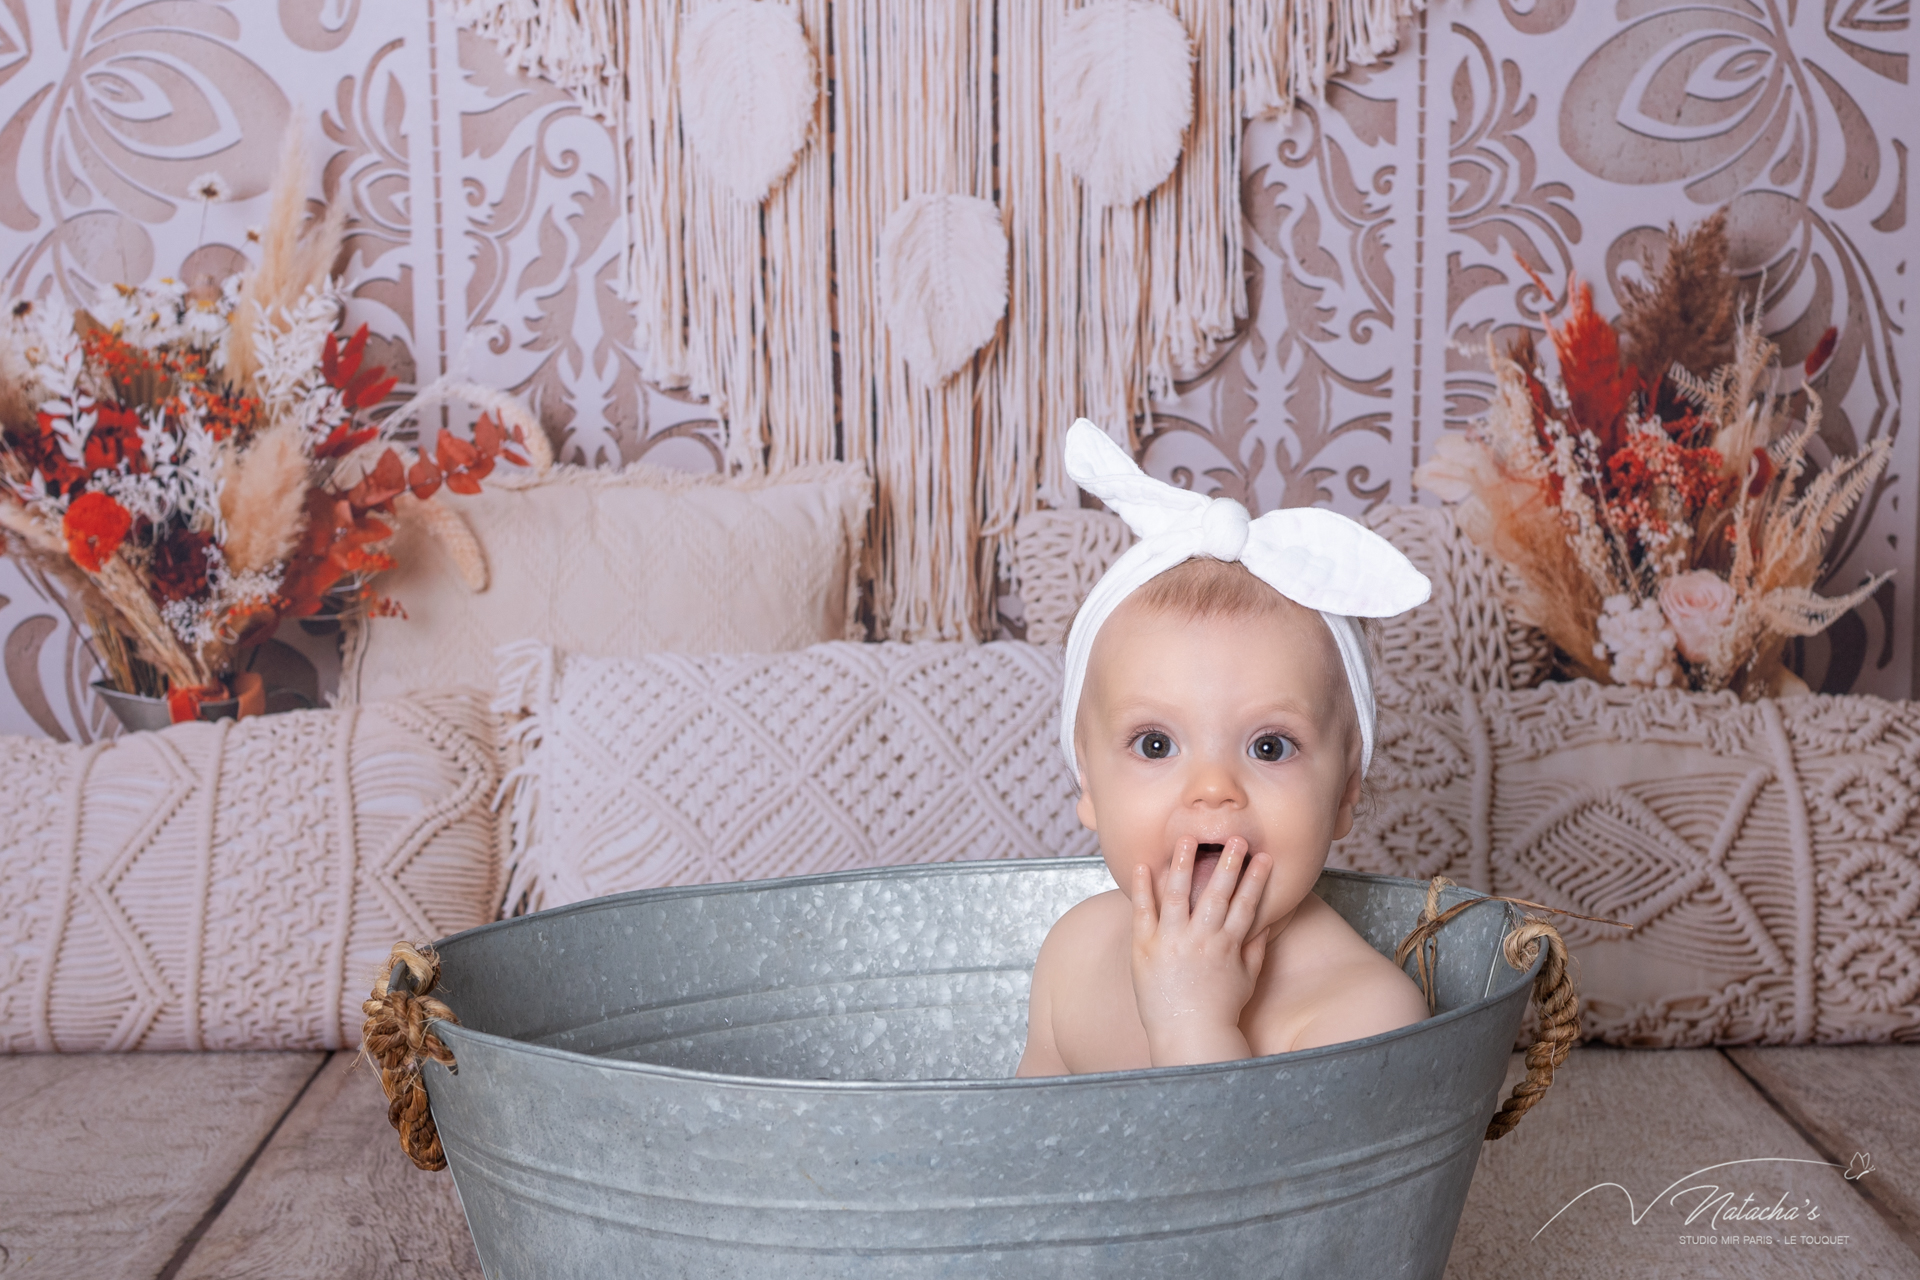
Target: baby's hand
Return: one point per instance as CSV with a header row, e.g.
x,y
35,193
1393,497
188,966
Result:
x,y
1194,971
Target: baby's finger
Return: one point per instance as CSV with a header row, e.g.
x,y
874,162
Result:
x,y
1246,899
1179,881
1253,955
1219,891
1145,918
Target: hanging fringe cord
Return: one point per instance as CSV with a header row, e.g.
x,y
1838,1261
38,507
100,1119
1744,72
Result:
x,y
396,1040
1555,997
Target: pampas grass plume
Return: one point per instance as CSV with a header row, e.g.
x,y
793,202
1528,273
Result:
x,y
1685,314
290,262
263,499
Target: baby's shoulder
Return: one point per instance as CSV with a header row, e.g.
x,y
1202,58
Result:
x,y
1338,987
1089,929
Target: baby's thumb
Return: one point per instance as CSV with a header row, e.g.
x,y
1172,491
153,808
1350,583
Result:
x,y
1254,954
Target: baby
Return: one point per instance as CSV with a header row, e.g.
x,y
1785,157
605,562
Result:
x,y
1218,713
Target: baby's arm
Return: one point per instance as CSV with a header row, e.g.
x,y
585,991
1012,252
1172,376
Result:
x,y
1042,1056
1194,971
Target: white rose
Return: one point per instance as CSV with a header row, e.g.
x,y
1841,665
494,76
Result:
x,y
1699,607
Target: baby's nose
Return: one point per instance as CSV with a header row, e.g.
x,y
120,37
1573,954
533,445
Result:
x,y
1212,783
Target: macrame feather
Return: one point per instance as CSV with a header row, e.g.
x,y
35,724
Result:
x,y
775,313
1120,97
943,281
748,81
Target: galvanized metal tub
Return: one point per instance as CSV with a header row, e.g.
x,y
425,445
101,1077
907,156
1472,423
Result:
x,y
810,1078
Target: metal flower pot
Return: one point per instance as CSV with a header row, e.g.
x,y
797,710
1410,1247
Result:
x,y
137,712
809,1078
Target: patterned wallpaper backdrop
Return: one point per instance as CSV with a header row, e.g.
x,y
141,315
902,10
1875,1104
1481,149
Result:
x,y
488,230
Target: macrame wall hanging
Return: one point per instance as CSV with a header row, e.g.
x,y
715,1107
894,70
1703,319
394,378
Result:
x,y
1006,214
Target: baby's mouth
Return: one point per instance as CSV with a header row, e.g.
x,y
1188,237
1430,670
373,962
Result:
x,y
1206,860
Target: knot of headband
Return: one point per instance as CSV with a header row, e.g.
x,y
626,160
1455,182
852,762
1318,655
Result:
x,y
1314,557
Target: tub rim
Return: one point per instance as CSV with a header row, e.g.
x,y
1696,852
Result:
x,y
452,1033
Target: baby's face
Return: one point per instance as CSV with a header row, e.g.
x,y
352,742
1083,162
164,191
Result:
x,y
1210,729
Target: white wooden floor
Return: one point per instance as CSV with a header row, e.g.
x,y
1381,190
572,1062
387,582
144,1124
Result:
x,y
223,1166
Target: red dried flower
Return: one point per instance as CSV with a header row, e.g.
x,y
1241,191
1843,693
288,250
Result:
x,y
1599,387
359,388
1821,353
95,526
115,438
178,568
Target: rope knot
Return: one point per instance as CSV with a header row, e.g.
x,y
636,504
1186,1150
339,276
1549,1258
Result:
x,y
1554,995
398,1039
1223,529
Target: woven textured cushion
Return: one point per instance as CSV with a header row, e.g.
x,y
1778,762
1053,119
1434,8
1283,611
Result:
x,y
237,885
687,770
620,563
1768,854
1057,557
1466,632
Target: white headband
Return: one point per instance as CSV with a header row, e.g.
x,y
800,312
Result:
x,y
1312,556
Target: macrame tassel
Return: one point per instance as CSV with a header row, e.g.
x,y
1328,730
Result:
x,y
913,114
1288,49
734,299
577,44
1105,308
801,426
525,673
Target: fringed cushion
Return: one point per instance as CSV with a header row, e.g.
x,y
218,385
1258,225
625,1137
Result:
x,y
620,563
1768,854
689,770
1466,632
237,885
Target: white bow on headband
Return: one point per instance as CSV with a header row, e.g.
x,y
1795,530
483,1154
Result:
x,y
1312,556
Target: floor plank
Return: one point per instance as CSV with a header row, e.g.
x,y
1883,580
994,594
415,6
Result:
x,y
333,1196
109,1160
1643,1119
1854,1098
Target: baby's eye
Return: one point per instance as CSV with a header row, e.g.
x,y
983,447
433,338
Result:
x,y
1271,748
1153,745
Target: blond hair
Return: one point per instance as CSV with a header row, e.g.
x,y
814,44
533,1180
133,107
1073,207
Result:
x,y
1202,587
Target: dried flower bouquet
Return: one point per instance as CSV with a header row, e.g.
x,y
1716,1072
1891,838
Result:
x,y
1656,497
198,463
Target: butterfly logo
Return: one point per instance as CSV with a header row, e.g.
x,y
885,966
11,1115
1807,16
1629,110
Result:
x,y
1859,1167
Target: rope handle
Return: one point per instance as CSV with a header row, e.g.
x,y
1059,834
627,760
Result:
x,y
1554,990
397,1041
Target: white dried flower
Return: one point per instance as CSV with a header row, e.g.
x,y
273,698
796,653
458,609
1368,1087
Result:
x,y
209,187
1638,641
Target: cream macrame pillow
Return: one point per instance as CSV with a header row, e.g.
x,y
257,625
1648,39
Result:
x,y
619,563
1767,853
1466,632
688,770
237,885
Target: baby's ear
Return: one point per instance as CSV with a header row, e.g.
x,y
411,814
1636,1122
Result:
x,y
1349,802
1083,808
